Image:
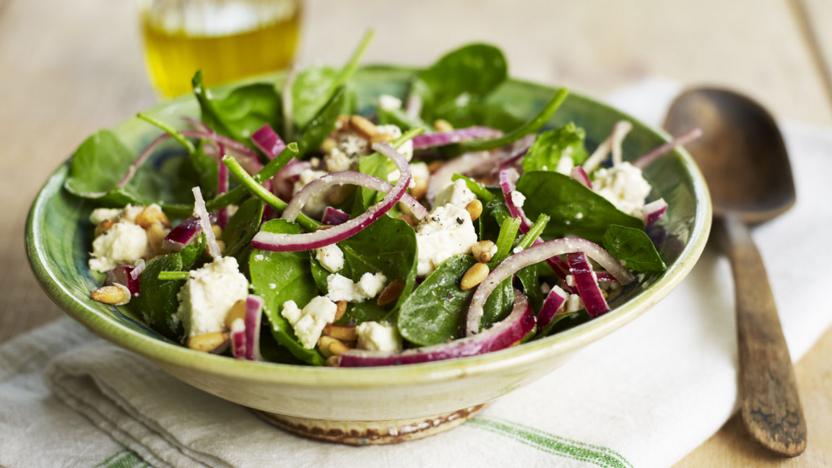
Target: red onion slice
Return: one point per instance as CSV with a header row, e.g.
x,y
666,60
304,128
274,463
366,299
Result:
x,y
579,174
507,187
661,150
504,334
268,141
318,186
204,218
654,211
432,140
182,235
334,216
587,284
536,254
619,132
312,240
238,342
551,305
253,317
284,181
611,143
126,276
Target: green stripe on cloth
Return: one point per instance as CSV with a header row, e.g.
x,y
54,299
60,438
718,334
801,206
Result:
x,y
600,456
124,459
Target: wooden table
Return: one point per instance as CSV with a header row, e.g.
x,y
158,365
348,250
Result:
x,y
70,67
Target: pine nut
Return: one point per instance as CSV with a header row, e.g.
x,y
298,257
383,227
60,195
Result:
x,y
340,310
365,128
112,294
237,311
150,215
331,346
435,166
409,219
419,189
328,145
483,251
442,125
156,238
474,209
103,227
474,276
341,332
390,293
333,361
217,230
208,342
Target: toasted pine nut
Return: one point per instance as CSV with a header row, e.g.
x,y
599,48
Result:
x,y
474,209
333,361
434,166
483,251
340,310
342,122
390,293
341,332
409,219
442,125
217,230
156,238
364,127
419,189
113,294
208,342
150,215
237,311
331,346
474,276
103,227
221,245
328,145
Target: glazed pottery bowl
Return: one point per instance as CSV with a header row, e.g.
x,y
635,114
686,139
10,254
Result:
x,y
370,405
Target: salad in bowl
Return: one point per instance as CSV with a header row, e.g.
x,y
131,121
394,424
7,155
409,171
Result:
x,y
426,227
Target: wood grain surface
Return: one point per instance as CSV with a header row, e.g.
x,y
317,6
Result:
x,y
68,67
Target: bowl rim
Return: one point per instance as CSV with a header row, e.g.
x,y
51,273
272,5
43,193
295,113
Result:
x,y
168,354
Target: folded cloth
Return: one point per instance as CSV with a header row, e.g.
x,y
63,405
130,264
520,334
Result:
x,y
644,396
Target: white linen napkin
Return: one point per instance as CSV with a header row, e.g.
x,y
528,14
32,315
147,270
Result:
x,y
644,396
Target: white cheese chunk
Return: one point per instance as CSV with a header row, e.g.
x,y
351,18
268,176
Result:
x,y
330,257
456,193
309,323
446,232
389,103
341,288
371,284
209,294
336,160
378,336
100,215
123,243
420,173
565,165
574,303
392,132
624,186
518,198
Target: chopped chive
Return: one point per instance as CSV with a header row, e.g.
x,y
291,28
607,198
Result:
x,y
173,275
175,134
406,136
505,240
534,232
352,64
474,186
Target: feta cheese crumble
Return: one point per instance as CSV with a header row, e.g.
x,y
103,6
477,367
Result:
x,y
123,243
518,198
330,257
378,336
309,323
457,193
389,103
573,303
341,288
314,205
209,294
624,186
565,165
392,132
446,232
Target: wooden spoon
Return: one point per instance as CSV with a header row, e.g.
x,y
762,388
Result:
x,y
746,165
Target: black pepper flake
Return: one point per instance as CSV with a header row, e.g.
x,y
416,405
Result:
x,y
460,221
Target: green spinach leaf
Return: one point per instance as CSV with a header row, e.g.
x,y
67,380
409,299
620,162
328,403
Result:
x,y
206,169
242,226
551,145
322,124
279,277
97,165
574,209
310,93
634,249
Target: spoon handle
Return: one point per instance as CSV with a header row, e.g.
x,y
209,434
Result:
x,y
770,402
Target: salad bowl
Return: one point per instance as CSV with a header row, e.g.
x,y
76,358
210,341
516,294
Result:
x,y
383,404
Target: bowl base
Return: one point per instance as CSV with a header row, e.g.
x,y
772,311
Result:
x,y
370,432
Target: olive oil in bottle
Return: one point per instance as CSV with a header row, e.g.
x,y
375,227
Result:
x,y
226,39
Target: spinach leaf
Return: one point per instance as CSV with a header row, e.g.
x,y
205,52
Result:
x,y
310,93
322,124
574,209
97,165
530,281
468,73
206,169
551,145
279,277
634,249
434,312
319,273
378,166
242,226
240,112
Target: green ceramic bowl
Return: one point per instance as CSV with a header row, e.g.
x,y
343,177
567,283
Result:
x,y
371,405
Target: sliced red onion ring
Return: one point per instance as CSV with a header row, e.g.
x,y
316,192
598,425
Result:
x,y
432,140
334,216
536,254
551,305
515,152
674,143
284,181
504,334
619,131
204,218
470,164
507,187
141,159
137,269
579,174
313,240
238,340
125,276
328,181
268,141
654,211
587,284
253,317
182,235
